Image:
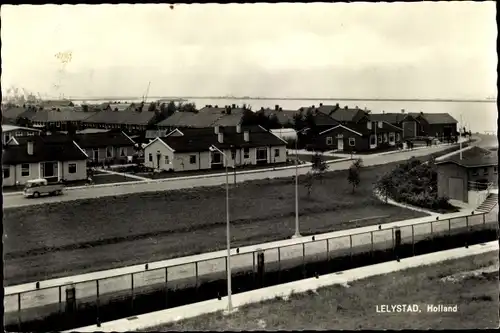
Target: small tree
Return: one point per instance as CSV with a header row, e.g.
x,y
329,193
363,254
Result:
x,y
308,183
353,175
319,165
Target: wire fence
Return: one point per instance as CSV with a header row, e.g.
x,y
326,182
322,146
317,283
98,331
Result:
x,y
44,301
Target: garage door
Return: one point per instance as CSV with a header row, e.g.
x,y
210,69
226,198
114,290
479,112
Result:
x,y
456,188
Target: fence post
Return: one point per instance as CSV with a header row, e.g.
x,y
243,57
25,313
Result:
x,y
371,236
166,287
304,259
449,227
196,274
327,250
253,265
132,290
279,264
413,240
484,220
350,247
97,302
19,320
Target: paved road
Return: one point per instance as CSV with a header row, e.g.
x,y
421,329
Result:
x,y
17,200
184,268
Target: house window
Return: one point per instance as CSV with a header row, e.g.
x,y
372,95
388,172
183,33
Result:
x,y
398,137
276,153
150,157
233,154
7,137
192,159
246,152
495,170
379,124
485,171
369,125
352,142
475,172
122,152
25,170
167,159
380,139
6,172
109,152
391,137
373,140
385,137
72,168
329,141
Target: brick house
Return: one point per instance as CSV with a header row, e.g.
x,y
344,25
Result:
x,y
361,137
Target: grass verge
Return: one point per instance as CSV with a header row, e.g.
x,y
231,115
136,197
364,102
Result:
x,y
68,238
353,308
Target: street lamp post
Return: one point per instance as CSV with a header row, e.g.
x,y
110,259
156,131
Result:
x,y
297,230
228,238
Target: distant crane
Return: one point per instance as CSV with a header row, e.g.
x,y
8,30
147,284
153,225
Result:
x,y
146,94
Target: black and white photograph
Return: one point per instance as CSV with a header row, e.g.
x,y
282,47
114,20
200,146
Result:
x,y
251,166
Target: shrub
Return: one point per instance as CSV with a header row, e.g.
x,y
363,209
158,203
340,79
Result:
x,y
414,183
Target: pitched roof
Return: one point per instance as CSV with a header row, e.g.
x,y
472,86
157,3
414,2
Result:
x,y
89,140
60,116
206,117
118,106
320,118
392,118
200,139
436,118
122,118
62,102
473,157
346,114
16,112
283,116
362,128
43,150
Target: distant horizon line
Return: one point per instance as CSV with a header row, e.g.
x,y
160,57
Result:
x,y
98,98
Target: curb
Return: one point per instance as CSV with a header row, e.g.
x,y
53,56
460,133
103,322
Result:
x,y
154,181
162,317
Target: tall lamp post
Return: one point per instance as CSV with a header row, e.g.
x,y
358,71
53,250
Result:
x,y
297,230
212,148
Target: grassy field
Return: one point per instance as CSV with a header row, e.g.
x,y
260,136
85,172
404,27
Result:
x,y
94,234
74,237
340,308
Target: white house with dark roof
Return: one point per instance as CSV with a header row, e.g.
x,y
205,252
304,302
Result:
x,y
188,149
40,158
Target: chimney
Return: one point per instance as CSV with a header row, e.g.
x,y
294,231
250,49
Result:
x,y
261,108
238,128
220,137
234,106
383,111
276,107
345,107
402,110
246,136
217,129
30,147
337,105
320,104
281,109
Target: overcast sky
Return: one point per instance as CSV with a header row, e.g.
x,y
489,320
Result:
x,y
398,50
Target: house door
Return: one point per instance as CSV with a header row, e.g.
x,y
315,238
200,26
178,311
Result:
x,y
340,143
261,156
49,171
456,188
96,155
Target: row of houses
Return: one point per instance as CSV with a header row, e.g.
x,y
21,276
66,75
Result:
x,y
61,156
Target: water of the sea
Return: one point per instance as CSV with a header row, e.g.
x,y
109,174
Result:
x,y
476,116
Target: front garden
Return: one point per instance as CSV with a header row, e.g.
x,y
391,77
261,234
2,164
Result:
x,y
414,182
